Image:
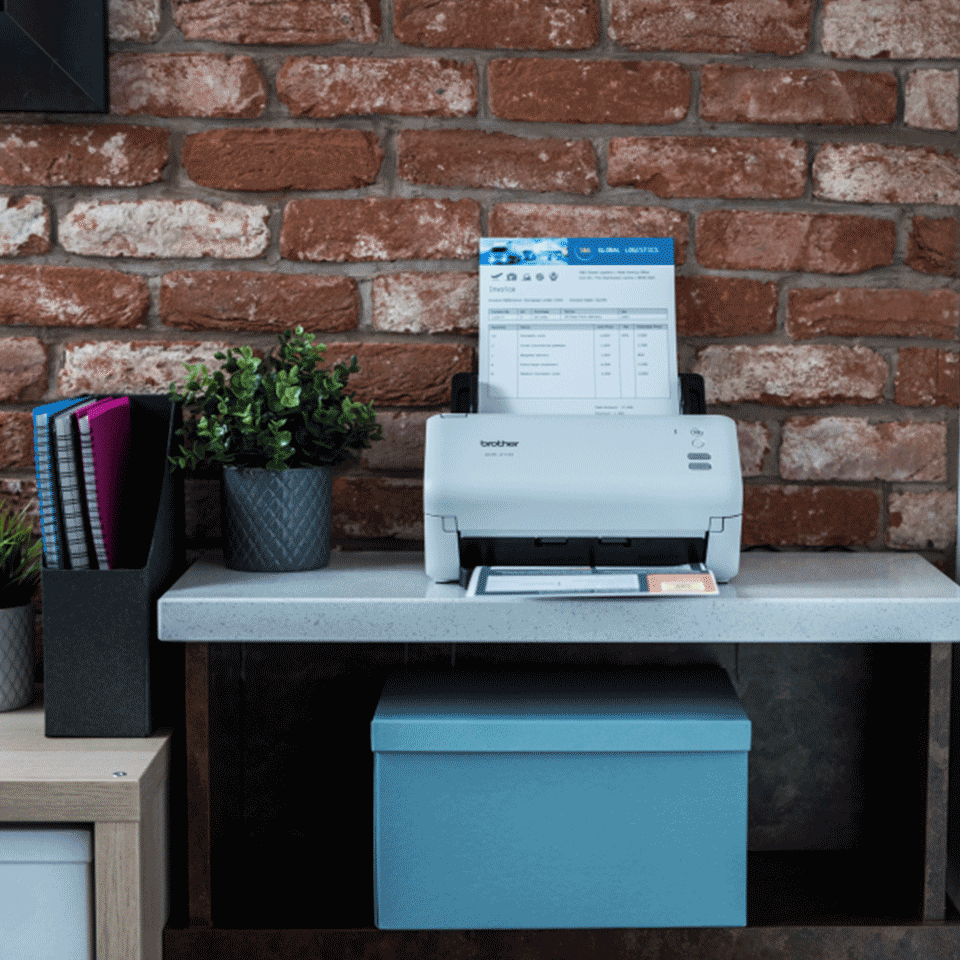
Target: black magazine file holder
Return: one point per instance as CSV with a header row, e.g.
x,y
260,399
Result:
x,y
105,672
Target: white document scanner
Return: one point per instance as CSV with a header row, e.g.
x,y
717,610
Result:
x,y
568,490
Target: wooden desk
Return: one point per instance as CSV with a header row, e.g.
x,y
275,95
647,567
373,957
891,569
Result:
x,y
121,787
893,603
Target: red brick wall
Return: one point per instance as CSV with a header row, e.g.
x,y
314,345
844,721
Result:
x,y
333,163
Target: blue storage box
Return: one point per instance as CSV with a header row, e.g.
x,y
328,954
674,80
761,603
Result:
x,y
559,799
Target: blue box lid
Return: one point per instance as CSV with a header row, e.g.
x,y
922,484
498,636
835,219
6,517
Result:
x,y
632,710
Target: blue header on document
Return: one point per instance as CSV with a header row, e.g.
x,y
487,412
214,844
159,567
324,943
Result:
x,y
605,251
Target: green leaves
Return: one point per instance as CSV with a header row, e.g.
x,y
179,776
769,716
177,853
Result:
x,y
285,411
19,558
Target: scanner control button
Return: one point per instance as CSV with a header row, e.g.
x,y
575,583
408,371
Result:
x,y
699,466
698,456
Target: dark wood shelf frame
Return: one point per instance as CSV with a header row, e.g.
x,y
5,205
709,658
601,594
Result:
x,y
832,901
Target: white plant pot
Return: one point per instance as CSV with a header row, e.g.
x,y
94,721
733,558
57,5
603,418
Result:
x,y
16,656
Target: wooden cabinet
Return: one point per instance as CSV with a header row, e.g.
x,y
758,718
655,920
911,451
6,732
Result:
x,y
120,787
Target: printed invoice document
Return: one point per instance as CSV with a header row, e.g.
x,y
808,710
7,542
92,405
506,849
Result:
x,y
577,325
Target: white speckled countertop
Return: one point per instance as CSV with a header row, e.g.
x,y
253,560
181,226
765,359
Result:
x,y
363,597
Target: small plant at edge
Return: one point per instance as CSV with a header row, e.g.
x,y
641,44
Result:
x,y
19,557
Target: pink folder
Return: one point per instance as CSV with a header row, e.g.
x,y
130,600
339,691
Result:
x,y
105,454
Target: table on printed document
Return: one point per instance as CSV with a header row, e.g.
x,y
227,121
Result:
x,y
596,353
364,597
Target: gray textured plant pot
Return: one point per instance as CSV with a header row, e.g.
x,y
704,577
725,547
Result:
x,y
276,521
16,656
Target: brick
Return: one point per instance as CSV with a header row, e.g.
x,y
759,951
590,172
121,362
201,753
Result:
x,y
282,159
135,366
794,516
473,158
892,29
23,369
307,22
403,375
426,303
402,446
559,220
17,494
858,311
380,229
324,87
16,440
489,24
377,508
818,243
849,448
731,167
922,521
50,296
24,226
108,155
134,19
186,85
875,173
585,91
791,376
930,99
725,307
259,302
733,94
927,378
165,228
753,439
737,26
934,246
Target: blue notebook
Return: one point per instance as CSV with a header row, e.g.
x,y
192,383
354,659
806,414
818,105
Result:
x,y
44,457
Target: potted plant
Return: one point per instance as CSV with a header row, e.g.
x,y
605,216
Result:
x,y
19,575
277,427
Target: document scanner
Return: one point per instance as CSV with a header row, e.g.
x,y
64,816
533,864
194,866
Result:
x,y
571,490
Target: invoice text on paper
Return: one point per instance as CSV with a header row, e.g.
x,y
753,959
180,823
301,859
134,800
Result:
x,y
577,325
